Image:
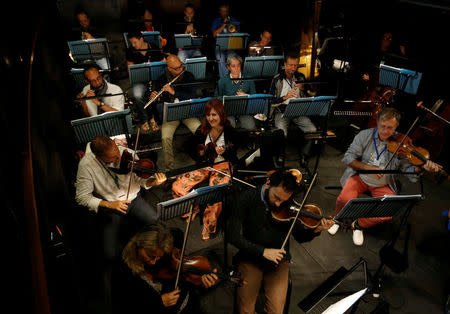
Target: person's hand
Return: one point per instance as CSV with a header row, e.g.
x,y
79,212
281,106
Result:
x,y
291,94
325,224
220,150
240,93
153,94
365,77
300,86
158,179
169,89
80,95
190,29
208,280
274,255
431,166
91,93
170,298
120,206
376,175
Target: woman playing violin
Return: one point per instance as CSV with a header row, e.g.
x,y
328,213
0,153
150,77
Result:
x,y
369,151
213,142
138,284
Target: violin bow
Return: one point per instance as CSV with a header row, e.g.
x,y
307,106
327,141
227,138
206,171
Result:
x,y
132,162
186,233
298,212
403,139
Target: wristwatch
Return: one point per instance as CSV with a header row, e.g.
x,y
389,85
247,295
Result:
x,y
101,104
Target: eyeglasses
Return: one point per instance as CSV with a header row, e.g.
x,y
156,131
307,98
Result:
x,y
177,68
387,38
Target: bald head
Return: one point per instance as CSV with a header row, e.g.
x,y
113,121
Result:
x,y
174,65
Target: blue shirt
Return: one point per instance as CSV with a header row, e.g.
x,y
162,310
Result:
x,y
219,21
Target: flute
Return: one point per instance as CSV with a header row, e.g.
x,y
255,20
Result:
x,y
161,91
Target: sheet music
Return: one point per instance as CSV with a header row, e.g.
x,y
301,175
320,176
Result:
x,y
344,304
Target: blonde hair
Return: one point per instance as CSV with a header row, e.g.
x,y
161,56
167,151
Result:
x,y
151,238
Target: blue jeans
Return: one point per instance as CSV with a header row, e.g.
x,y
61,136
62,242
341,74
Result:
x,y
138,211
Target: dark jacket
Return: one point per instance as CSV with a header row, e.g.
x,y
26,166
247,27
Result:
x,y
277,86
251,228
231,140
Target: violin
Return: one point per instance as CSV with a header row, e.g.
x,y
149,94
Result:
x,y
143,168
193,268
415,155
208,152
310,215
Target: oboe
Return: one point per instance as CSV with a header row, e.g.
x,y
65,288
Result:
x,y
162,91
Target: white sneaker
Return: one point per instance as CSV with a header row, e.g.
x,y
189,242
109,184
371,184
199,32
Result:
x,y
334,228
358,237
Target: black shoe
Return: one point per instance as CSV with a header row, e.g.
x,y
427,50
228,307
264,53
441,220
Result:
x,y
303,162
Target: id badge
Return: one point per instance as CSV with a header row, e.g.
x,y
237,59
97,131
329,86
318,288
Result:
x,y
376,162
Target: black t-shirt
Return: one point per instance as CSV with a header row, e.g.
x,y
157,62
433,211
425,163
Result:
x,y
150,56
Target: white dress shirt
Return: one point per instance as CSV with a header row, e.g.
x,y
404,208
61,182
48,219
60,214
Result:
x,y
95,182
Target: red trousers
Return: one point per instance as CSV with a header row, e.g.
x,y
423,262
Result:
x,y
352,189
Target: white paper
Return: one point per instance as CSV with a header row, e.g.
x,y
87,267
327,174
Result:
x,y
343,305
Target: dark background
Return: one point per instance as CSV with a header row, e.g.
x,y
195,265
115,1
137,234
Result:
x,y
423,28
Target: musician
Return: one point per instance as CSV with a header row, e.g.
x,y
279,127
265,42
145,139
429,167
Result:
x,y
172,93
221,25
86,32
97,86
147,18
104,192
141,51
261,239
190,25
136,287
284,86
229,87
215,137
261,47
368,151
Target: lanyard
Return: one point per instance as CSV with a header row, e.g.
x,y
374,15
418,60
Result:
x,y
375,144
114,177
290,83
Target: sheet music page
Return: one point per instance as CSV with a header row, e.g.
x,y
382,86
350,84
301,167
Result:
x,y
343,305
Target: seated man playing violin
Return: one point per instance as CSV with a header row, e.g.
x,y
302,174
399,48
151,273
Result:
x,y
111,194
214,142
144,281
258,235
369,151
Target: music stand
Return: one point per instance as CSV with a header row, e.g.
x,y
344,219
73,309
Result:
x,y
232,41
78,77
90,50
263,66
384,206
188,41
317,296
146,72
191,108
311,106
200,197
110,124
247,104
197,66
401,79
